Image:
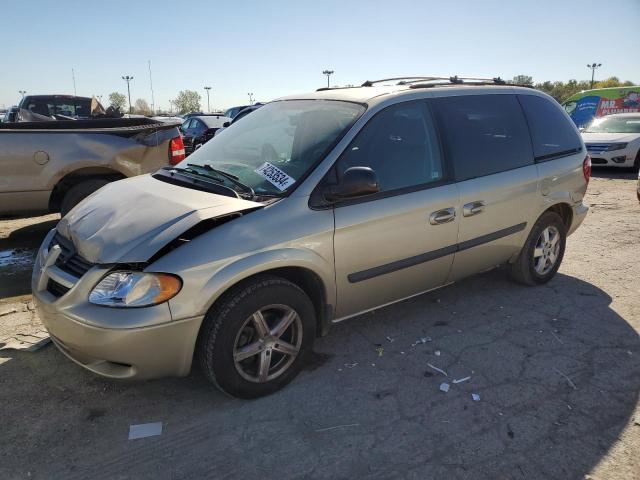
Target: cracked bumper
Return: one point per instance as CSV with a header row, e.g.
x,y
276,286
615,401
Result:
x,y
138,343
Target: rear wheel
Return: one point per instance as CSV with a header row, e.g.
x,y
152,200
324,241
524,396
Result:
x,y
543,251
254,341
79,192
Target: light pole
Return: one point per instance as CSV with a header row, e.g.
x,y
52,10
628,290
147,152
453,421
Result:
x,y
208,106
127,79
250,98
593,67
328,73
22,92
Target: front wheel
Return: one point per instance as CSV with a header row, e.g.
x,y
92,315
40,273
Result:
x,y
254,340
543,251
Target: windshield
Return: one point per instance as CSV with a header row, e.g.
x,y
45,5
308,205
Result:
x,y
275,146
615,125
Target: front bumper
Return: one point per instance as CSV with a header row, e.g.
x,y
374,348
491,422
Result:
x,y
617,158
138,343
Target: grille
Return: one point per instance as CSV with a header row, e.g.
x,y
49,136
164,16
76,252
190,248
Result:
x,y
598,161
68,260
597,147
55,289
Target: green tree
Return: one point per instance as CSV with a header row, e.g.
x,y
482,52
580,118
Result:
x,y
117,100
141,107
612,82
523,80
187,101
561,90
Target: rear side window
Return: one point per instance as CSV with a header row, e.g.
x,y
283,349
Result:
x,y
483,134
552,133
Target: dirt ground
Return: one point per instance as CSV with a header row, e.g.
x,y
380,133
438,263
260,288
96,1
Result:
x,y
557,369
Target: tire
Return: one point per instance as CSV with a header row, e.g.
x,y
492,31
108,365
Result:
x,y
526,269
79,192
231,324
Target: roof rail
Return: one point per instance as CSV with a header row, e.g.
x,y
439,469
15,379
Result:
x,y
412,81
455,80
401,80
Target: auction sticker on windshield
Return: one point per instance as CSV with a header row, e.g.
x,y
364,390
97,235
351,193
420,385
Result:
x,y
274,175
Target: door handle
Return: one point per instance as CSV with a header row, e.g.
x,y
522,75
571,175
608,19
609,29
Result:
x,y
473,208
445,215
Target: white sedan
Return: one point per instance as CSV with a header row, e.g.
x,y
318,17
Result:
x,y
614,140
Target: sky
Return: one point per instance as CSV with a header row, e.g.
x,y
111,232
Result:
x,y
280,47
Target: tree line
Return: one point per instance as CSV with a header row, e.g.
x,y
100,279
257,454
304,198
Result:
x,y
563,90
189,100
186,101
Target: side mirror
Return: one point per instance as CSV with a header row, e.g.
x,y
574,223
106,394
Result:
x,y
226,124
355,182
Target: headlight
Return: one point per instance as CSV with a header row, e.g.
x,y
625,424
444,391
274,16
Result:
x,y
616,146
135,289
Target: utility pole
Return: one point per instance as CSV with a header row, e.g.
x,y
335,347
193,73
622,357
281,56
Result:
x,y
250,98
73,76
22,92
127,79
153,103
328,73
208,106
593,67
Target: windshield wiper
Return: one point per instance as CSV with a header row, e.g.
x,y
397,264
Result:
x,y
191,170
229,176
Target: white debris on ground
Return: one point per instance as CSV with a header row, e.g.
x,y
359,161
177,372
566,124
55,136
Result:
x,y
460,380
145,430
20,327
437,369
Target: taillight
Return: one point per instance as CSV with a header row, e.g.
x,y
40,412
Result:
x,y
586,168
176,150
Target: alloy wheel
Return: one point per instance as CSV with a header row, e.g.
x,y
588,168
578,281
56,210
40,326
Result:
x,y
545,254
267,343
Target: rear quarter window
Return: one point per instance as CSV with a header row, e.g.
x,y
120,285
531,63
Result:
x,y
483,134
552,133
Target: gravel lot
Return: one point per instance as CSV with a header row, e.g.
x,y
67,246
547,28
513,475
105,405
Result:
x,y
557,369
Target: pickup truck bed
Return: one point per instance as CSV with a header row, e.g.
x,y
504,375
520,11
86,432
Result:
x,y
51,166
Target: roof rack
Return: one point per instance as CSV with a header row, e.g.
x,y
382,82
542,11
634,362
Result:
x,y
425,82
455,80
401,80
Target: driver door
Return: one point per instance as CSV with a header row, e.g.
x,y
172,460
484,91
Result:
x,y
400,241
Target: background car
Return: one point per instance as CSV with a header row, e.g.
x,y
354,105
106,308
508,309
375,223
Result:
x,y
10,114
240,116
160,118
614,140
197,131
233,111
60,105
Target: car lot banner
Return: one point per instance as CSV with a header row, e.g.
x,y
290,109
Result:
x,y
584,106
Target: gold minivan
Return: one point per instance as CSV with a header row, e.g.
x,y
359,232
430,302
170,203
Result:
x,y
313,209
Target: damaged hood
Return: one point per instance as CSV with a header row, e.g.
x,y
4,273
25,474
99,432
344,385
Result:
x,y
130,220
